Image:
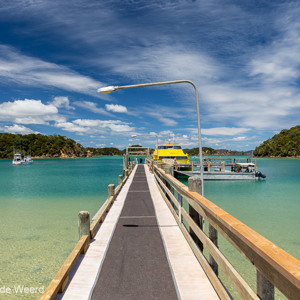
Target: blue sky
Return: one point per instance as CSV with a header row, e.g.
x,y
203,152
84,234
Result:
x,y
244,57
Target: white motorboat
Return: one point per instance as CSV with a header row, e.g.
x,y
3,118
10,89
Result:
x,y
17,159
230,170
28,160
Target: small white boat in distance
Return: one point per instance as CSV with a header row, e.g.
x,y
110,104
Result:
x,y
17,159
28,160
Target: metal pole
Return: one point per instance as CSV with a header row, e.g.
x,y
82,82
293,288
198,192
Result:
x,y
114,88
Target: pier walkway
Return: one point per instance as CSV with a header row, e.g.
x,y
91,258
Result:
x,y
139,252
148,241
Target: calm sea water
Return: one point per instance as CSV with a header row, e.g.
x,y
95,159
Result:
x,y
39,206
271,207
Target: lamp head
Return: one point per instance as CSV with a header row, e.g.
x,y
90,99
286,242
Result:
x,y
107,89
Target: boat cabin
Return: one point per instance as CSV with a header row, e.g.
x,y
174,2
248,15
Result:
x,y
170,153
245,167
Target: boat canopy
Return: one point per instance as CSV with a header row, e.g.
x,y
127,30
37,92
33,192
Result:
x,y
246,165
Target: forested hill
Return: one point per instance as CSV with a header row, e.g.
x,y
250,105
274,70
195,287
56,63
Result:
x,y
284,144
39,146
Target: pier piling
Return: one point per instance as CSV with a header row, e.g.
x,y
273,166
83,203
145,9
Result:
x,y
83,223
111,190
120,179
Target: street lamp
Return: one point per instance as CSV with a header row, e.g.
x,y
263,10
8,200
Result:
x,y
109,89
135,135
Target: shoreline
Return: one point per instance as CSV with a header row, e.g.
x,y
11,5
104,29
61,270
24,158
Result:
x,y
98,156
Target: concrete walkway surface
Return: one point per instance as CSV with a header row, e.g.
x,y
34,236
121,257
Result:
x,y
139,252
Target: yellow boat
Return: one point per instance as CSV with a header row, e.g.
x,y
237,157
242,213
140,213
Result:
x,y
170,153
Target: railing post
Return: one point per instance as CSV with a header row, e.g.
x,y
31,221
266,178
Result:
x,y
169,170
111,190
180,207
84,224
120,179
195,185
265,289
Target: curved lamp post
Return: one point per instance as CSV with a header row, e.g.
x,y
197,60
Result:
x,y
109,89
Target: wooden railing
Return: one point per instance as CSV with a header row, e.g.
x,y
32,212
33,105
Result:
x,y
274,266
61,279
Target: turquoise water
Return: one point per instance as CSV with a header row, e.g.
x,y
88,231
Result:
x,y
39,204
271,207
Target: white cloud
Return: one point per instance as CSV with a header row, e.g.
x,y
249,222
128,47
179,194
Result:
x,y
71,127
28,111
62,102
165,63
91,106
119,127
159,115
116,108
280,61
18,129
96,126
30,71
87,122
166,133
240,138
223,131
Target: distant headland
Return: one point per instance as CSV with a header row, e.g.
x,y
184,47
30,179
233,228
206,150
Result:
x,y
284,144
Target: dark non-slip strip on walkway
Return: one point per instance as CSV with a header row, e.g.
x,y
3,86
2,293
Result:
x,y
136,266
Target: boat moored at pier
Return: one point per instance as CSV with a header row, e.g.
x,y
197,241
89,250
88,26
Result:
x,y
224,169
171,153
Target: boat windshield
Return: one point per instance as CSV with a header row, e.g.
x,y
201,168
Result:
x,y
169,147
173,157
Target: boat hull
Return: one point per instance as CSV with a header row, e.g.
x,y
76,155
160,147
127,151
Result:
x,y
220,175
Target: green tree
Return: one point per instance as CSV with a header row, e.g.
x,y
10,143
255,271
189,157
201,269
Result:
x,y
284,144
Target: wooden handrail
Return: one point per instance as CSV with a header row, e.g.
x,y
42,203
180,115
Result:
x,y
61,279
279,267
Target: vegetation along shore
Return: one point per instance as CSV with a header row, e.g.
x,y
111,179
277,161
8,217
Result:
x,y
284,144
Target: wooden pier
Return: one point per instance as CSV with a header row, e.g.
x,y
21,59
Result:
x,y
147,242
